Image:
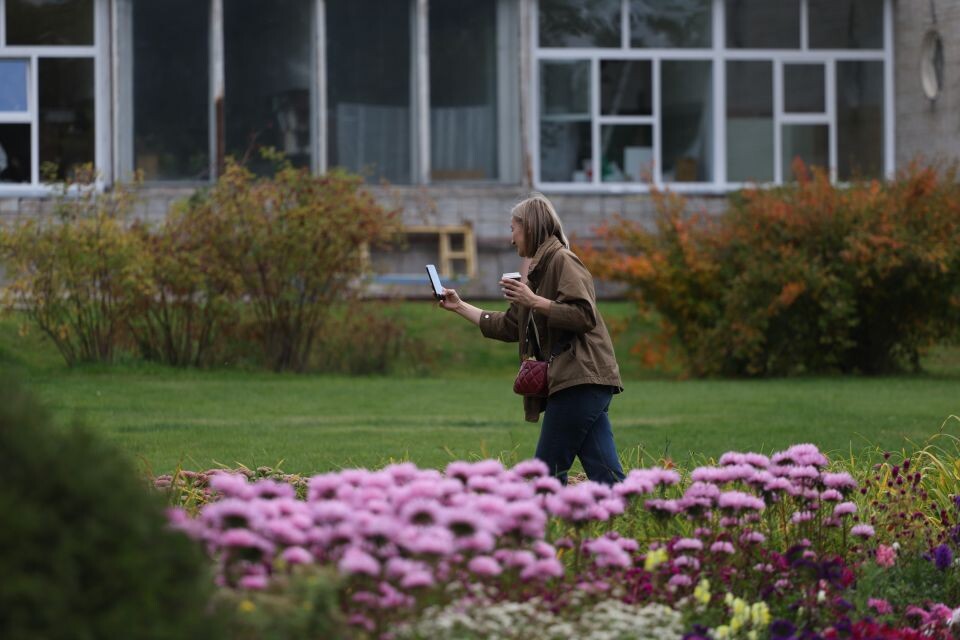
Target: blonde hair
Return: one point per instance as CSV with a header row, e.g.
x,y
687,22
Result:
x,y
539,221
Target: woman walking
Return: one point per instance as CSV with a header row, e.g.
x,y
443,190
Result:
x,y
557,308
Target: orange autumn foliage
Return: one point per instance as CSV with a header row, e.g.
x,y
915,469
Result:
x,y
808,277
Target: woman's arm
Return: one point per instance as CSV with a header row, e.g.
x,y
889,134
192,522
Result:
x,y
451,302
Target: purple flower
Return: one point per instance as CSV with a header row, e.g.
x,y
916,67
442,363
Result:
x,y
942,557
417,580
679,580
357,561
738,501
844,509
231,485
542,569
530,469
420,512
687,544
831,495
485,566
254,582
862,531
297,555
661,507
247,544
722,546
839,481
607,553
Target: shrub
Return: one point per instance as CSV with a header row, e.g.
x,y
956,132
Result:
x,y
73,274
807,277
294,242
189,299
85,551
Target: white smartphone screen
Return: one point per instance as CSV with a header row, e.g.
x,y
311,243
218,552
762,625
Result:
x,y
435,281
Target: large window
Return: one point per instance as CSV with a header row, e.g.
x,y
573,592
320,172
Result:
x,y
405,91
709,94
48,84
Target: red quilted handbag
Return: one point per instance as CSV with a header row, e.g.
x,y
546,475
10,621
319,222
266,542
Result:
x,y
532,379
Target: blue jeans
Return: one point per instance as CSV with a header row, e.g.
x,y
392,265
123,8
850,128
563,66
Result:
x,y
576,424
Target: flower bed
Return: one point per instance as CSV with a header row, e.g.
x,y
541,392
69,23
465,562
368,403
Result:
x,y
752,547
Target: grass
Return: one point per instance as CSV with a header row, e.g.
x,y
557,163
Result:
x,y
464,408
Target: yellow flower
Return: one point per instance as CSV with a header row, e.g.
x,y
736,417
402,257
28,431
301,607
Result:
x,y
752,635
722,632
247,606
760,615
655,558
702,592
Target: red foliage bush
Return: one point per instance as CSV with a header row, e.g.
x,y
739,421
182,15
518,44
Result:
x,y
805,278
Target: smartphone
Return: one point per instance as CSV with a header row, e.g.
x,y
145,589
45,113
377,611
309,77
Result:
x,y
435,281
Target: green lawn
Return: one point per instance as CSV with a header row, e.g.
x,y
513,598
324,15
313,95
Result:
x,y
464,408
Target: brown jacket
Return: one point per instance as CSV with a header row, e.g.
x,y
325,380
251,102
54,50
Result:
x,y
558,274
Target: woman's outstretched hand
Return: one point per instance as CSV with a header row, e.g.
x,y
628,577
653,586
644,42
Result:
x,y
451,300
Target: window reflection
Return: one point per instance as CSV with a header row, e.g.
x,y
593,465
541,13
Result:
x,y
13,85
763,24
750,121
267,64
804,88
807,142
579,23
463,90
686,99
670,23
368,75
171,91
66,113
846,24
860,132
626,87
15,164
627,154
49,22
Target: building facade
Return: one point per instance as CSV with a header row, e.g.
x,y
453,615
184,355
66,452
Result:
x,y
454,109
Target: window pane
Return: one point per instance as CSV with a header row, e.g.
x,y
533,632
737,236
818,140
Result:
x,y
267,66
50,22
687,136
565,151
66,113
580,23
626,87
859,120
846,24
565,88
803,88
463,90
750,121
627,153
171,90
763,24
15,153
13,85
808,142
368,88
565,147
670,23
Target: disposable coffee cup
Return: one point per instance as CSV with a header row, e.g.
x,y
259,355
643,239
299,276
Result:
x,y
513,275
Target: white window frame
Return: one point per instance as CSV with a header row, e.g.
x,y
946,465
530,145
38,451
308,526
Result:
x,y
97,52
719,54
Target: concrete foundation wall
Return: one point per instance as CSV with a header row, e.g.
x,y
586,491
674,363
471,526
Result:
x,y
924,127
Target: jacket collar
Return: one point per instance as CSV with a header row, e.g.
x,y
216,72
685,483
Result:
x,y
549,247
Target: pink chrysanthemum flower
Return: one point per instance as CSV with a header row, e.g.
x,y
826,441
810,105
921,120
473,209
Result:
x,y
801,516
357,561
660,506
607,553
839,481
844,509
752,537
687,544
296,555
231,485
736,501
886,556
485,566
862,531
679,581
530,469
254,582
722,546
831,495
686,562
881,606
542,569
